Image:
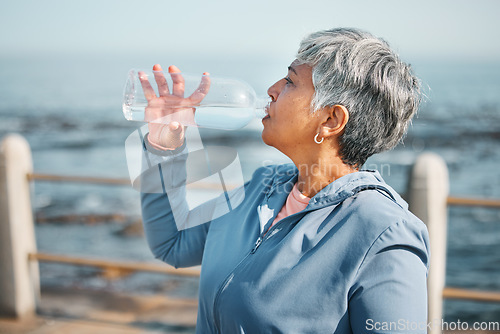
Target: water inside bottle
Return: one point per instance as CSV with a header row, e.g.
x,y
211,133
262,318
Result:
x,y
223,118
134,112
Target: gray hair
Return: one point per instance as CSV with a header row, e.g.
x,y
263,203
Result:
x,y
359,71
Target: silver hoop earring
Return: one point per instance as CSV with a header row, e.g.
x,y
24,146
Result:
x,y
316,139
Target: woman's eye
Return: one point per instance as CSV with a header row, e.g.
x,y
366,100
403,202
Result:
x,y
288,80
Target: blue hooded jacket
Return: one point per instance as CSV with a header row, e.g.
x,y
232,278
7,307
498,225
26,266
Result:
x,y
354,261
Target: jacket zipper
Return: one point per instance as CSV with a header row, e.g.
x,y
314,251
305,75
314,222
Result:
x,y
257,244
230,276
222,288
268,233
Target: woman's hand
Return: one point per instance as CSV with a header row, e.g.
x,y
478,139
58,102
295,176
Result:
x,y
166,113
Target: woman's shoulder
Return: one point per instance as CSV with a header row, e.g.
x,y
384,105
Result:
x,y
373,208
383,222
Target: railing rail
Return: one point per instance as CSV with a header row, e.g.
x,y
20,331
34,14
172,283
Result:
x,y
468,201
468,294
73,178
123,267
110,181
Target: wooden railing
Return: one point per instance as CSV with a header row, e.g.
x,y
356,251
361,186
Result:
x,y
427,199
114,268
463,201
481,296
109,181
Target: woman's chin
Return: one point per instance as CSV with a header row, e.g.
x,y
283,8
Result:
x,y
270,137
265,137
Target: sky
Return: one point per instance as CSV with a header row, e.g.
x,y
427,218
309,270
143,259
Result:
x,y
90,45
426,29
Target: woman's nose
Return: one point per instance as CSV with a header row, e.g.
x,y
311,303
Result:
x,y
274,91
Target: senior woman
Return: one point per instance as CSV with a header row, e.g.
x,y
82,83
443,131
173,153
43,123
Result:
x,y
317,246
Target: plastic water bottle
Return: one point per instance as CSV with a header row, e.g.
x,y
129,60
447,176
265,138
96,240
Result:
x,y
230,104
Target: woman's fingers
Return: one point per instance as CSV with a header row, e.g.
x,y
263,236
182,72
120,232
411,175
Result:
x,y
177,81
178,86
202,90
160,80
149,92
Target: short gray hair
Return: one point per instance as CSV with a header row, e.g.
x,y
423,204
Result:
x,y
359,71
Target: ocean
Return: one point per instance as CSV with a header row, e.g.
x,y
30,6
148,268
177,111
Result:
x,y
69,110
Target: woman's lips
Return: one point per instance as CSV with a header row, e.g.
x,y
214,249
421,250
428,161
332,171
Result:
x,y
266,110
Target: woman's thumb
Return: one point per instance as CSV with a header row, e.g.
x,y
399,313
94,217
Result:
x,y
174,126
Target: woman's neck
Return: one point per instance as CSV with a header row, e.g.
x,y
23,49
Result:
x,y
314,176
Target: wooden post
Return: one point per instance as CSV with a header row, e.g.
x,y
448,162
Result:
x,y
19,277
427,195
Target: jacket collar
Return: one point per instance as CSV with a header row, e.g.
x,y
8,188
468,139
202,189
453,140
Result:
x,y
285,176
337,191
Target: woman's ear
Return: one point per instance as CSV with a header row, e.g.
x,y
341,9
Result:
x,y
337,117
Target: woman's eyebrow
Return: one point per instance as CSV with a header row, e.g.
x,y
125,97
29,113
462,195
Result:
x,y
290,68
